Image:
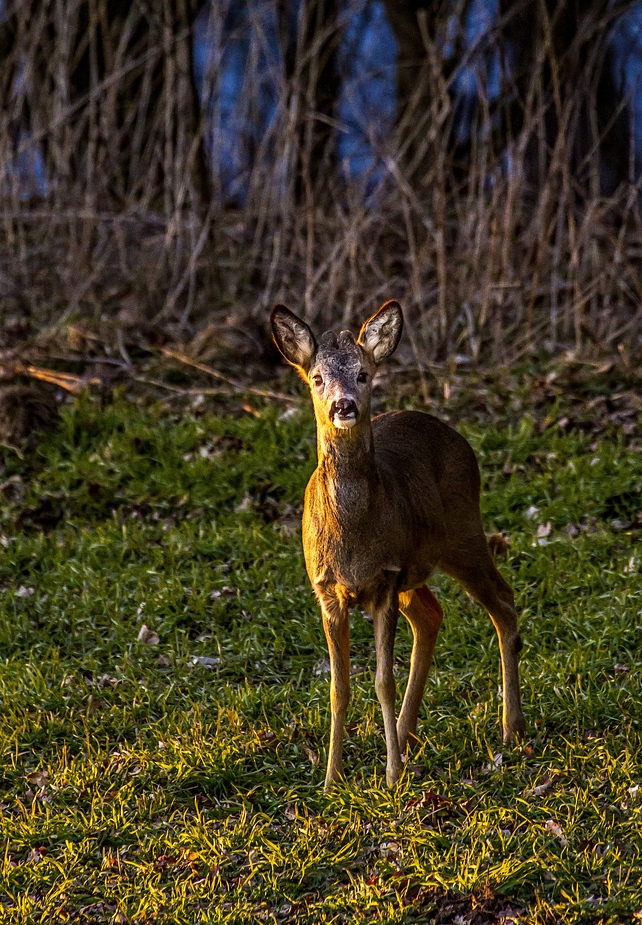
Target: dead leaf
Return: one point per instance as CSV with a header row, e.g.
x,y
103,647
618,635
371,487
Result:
x,y
225,591
25,592
163,862
13,489
36,854
428,799
540,790
266,736
147,636
203,661
556,830
245,505
313,758
38,778
390,850
94,704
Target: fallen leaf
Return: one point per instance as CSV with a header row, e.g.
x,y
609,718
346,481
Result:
x,y
147,636
430,798
496,764
313,758
553,827
94,704
203,661
36,854
38,778
621,525
540,790
13,489
244,506
390,850
322,668
163,862
25,592
225,591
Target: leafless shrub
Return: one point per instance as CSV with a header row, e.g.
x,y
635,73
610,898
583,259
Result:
x,y
115,204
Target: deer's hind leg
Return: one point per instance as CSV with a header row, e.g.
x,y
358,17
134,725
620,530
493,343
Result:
x,y
423,611
473,567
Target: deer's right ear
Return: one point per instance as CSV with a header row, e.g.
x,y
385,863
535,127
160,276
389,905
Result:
x,y
293,337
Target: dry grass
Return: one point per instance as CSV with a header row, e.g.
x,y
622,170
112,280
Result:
x,y
510,255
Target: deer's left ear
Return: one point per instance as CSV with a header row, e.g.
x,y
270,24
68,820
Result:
x,y
380,334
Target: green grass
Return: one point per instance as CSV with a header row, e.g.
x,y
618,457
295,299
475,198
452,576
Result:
x,y
136,786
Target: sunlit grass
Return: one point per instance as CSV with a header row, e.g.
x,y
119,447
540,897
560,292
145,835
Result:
x,y
137,786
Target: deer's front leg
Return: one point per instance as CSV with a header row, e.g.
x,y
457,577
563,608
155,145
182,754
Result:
x,y
384,618
336,624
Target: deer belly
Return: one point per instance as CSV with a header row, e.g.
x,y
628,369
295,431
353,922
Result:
x,y
362,571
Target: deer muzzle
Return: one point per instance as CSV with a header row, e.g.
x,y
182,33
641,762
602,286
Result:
x,y
344,413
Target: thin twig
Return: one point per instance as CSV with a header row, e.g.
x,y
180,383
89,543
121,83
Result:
x,y
237,386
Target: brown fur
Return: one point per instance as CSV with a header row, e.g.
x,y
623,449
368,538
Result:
x,y
392,500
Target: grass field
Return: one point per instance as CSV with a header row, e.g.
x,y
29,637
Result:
x,y
174,774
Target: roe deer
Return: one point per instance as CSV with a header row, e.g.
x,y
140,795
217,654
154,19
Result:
x,y
392,499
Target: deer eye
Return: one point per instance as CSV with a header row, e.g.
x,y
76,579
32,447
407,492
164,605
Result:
x,y
318,381
363,376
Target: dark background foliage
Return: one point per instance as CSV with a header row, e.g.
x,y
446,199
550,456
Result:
x,y
169,168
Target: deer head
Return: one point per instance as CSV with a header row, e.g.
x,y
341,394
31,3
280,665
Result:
x,y
339,369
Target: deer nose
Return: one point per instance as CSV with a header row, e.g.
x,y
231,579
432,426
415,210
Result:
x,y
344,408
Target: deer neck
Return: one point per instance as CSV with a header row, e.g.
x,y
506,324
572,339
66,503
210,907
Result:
x,y
346,460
